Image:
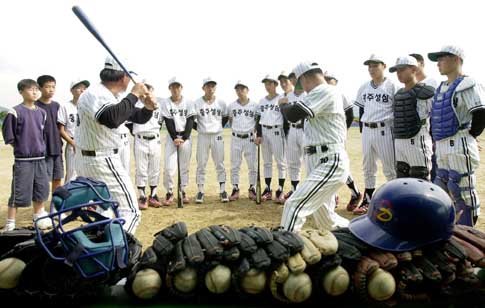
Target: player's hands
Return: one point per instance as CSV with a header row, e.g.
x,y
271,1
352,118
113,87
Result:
x,y
178,142
283,101
139,90
150,101
258,140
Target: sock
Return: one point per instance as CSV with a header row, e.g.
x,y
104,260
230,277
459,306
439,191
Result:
x,y
268,183
141,190
294,184
235,187
10,221
153,191
368,193
354,190
170,190
222,186
281,183
201,188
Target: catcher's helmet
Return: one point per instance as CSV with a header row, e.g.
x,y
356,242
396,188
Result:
x,y
405,214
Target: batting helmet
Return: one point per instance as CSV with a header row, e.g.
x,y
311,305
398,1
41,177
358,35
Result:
x,y
405,214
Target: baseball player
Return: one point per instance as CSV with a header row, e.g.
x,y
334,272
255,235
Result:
x,y
375,100
179,116
269,127
412,141
294,140
67,122
147,150
212,116
356,195
101,113
242,114
326,158
457,119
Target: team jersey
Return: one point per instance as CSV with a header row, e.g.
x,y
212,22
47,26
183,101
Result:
x,y
269,111
377,101
326,122
347,103
92,135
153,125
243,116
179,112
67,116
209,116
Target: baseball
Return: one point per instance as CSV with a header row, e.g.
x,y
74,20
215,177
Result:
x,y
336,281
218,280
10,272
381,285
186,280
298,287
147,283
253,282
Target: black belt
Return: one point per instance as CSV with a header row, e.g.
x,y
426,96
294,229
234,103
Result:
x,y
269,126
423,121
147,137
374,125
93,153
296,125
242,136
312,149
464,126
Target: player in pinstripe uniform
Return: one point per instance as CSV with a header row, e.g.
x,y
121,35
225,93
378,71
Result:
x,y
179,116
101,112
356,195
294,135
457,119
269,127
242,114
212,115
147,150
412,141
67,122
326,158
375,100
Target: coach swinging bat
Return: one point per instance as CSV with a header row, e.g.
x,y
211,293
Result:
x,y
258,179
179,184
85,21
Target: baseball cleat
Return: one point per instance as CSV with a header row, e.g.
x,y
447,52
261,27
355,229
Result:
x,y
142,203
252,194
354,202
288,194
185,199
280,197
168,199
224,197
200,197
234,195
362,209
154,202
267,195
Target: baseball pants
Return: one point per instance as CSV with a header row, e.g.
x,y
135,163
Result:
x,y
185,152
294,152
243,147
328,171
147,159
274,145
108,168
70,167
378,143
415,151
213,143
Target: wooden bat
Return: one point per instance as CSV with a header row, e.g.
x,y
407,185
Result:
x,y
179,184
258,179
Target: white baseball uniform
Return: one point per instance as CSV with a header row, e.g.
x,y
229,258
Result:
x,y
178,112
98,152
67,116
210,139
147,150
271,121
125,148
377,139
327,162
242,141
295,141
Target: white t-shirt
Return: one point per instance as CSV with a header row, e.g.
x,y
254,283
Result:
x,y
269,111
179,112
243,116
67,116
153,125
209,116
377,101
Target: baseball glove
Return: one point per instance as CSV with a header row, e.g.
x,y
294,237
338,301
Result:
x,y
192,250
471,235
210,244
324,240
364,269
475,255
259,259
290,240
175,232
247,245
231,254
177,261
310,252
386,260
161,245
277,278
277,251
296,264
226,235
261,236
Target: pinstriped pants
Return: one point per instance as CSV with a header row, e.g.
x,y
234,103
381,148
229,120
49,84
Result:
x,y
415,151
246,147
294,152
69,159
273,146
147,161
170,169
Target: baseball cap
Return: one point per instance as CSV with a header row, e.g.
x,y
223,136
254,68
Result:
x,y
330,75
111,64
173,80
402,62
269,77
291,75
374,59
283,74
304,67
447,50
79,81
241,83
208,80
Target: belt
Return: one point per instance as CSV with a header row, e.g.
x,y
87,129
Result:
x,y
270,127
93,153
296,125
147,137
242,136
312,149
374,125
423,121
464,126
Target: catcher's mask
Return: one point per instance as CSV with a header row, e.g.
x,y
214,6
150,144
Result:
x,y
95,248
405,214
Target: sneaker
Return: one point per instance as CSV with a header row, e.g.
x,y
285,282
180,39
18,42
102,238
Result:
x,y
154,202
9,226
288,194
142,203
280,197
168,199
234,195
362,209
199,198
267,195
252,194
354,202
224,197
185,199
41,221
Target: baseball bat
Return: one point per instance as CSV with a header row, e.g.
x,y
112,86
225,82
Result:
x,y
258,179
89,25
179,184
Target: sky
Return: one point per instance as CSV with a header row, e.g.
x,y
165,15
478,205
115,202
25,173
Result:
x,y
228,40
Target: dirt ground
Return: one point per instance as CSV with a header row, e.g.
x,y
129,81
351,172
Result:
x,y
240,213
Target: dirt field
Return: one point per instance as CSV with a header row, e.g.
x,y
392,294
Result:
x,y
237,214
